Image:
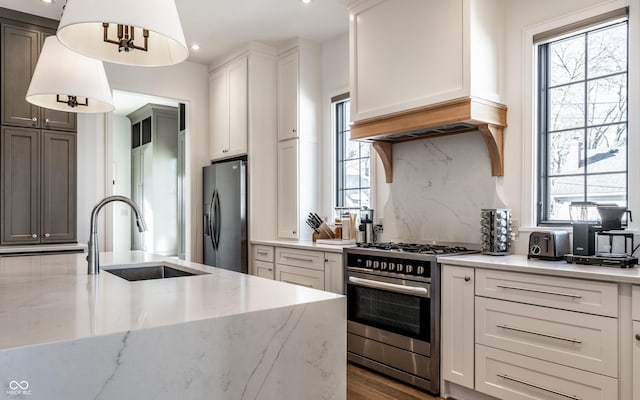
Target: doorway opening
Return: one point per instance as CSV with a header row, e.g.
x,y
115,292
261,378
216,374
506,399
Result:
x,y
147,161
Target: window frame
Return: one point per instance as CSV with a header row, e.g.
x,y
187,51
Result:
x,y
542,101
338,121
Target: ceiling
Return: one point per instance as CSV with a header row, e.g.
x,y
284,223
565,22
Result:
x,y
127,102
221,26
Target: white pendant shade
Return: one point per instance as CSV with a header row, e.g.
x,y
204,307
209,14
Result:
x,y
81,29
61,73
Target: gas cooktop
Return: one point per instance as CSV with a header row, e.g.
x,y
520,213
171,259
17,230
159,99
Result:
x,y
411,251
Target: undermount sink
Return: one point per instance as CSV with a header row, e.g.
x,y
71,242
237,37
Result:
x,y
143,272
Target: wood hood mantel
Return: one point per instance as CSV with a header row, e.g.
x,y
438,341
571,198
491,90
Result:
x,y
453,117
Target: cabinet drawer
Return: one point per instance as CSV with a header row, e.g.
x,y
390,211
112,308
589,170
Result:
x,y
588,342
263,253
635,303
300,276
510,376
264,269
570,294
300,258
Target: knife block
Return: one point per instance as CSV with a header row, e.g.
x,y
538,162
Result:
x,y
325,233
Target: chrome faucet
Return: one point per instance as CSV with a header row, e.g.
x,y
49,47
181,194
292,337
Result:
x,y
92,258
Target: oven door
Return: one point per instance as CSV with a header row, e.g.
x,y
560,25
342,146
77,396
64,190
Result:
x,y
389,304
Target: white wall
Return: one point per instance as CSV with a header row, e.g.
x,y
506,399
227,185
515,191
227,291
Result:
x,y
187,82
335,81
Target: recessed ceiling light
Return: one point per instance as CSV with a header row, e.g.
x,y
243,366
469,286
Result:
x,y
48,1
305,1
195,47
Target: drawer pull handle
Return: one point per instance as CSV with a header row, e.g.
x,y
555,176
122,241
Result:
x,y
467,278
263,253
511,328
299,258
574,296
533,385
638,336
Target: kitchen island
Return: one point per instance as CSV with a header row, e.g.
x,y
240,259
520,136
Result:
x,y
222,335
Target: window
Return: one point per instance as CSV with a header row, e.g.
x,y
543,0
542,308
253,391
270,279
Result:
x,y
353,170
582,119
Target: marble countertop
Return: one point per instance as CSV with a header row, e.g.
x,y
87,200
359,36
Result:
x,y
520,263
50,298
303,244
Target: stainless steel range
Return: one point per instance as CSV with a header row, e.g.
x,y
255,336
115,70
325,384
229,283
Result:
x,y
393,309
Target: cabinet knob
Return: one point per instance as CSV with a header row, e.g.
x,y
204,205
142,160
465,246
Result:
x,y
638,336
467,278
34,121
46,235
34,236
46,121
294,130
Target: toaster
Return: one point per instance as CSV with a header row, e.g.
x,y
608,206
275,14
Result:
x,y
549,245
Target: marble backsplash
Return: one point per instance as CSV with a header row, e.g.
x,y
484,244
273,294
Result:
x,y
439,187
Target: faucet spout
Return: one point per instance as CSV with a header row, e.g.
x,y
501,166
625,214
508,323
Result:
x,y
93,263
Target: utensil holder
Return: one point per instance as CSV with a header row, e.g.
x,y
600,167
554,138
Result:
x,y
495,227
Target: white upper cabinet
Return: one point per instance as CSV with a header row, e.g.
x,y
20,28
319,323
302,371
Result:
x,y
406,54
288,97
228,104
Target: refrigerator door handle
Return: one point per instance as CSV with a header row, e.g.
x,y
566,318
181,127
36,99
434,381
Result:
x,y
217,215
207,228
211,222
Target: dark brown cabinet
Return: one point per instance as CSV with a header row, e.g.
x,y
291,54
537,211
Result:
x,y
37,145
39,186
20,46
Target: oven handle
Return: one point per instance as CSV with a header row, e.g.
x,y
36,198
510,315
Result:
x,y
391,287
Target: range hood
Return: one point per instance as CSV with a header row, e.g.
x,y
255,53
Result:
x,y
458,116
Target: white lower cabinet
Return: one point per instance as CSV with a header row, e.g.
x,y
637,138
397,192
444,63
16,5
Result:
x,y
264,269
310,268
300,276
518,336
457,324
588,342
511,376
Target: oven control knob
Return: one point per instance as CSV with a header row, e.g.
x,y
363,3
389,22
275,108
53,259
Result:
x,y
392,266
408,269
383,265
376,264
399,267
368,264
420,270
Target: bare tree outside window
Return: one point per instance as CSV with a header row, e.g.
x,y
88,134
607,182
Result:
x,y
583,120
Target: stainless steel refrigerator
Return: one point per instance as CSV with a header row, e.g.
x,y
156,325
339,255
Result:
x,y
225,214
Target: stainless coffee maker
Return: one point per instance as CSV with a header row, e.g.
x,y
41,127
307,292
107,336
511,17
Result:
x,y
366,225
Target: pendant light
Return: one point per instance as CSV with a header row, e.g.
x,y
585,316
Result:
x,y
67,81
130,32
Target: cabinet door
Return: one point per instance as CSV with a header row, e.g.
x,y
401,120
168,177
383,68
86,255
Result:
x,y
333,273
288,189
300,276
458,325
20,48
20,186
237,76
263,269
58,201
288,97
219,103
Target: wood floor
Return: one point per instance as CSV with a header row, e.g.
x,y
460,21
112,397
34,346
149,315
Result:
x,y
363,384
